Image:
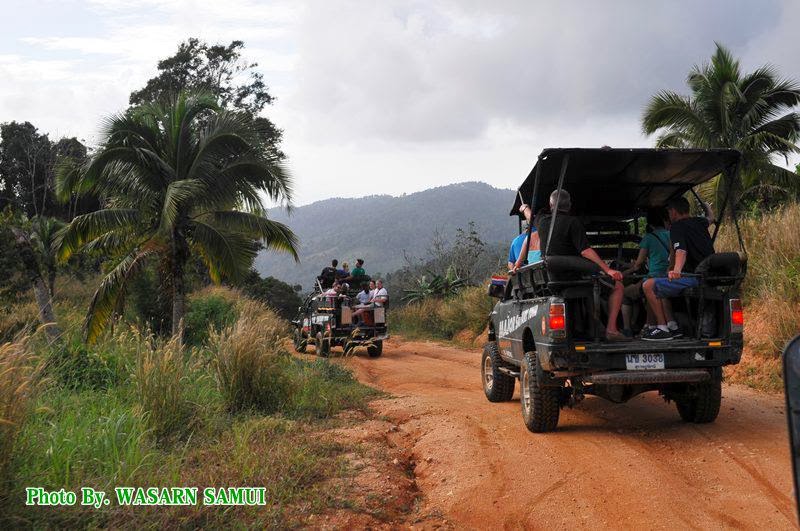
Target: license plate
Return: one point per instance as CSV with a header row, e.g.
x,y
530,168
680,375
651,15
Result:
x,y
644,362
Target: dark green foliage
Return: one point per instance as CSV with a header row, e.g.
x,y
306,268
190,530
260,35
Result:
x,y
27,163
435,286
205,313
77,367
750,112
150,301
217,69
14,279
280,296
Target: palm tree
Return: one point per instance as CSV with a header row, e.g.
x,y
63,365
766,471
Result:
x,y
179,179
727,109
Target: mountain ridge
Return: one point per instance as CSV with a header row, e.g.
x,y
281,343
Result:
x,y
382,228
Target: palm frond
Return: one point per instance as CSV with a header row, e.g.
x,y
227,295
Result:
x,y
87,227
110,292
228,254
273,234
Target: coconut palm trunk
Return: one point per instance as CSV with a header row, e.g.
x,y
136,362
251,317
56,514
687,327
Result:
x,y
42,294
178,287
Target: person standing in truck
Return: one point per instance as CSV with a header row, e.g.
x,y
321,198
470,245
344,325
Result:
x,y
691,244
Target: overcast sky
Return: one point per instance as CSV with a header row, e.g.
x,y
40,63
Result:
x,y
395,96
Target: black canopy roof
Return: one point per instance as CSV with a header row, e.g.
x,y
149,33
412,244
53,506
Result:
x,y
621,182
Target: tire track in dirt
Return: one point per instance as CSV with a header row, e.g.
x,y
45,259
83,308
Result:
x,y
633,465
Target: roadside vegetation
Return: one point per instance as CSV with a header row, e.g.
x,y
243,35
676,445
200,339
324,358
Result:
x,y
233,409
771,293
126,357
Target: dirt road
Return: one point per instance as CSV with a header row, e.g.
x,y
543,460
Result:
x,y
634,465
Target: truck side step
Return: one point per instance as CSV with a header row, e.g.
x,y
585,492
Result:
x,y
506,370
649,377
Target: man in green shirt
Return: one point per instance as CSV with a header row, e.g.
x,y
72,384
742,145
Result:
x,y
358,270
655,249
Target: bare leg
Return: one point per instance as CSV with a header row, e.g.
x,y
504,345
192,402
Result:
x,y
614,305
654,302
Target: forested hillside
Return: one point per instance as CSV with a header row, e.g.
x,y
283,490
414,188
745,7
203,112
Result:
x,y
380,228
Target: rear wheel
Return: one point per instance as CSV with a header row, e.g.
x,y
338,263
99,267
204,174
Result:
x,y
540,403
375,349
299,341
323,345
497,386
702,401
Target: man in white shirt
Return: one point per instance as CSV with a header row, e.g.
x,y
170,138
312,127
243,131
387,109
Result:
x,y
365,294
381,296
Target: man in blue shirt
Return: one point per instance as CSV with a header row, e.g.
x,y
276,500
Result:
x,y
516,246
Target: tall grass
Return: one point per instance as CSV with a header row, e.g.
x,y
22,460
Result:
x,y
162,387
771,291
249,360
20,379
464,314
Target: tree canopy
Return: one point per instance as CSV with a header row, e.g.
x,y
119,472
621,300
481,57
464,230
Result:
x,y
220,70
181,178
726,108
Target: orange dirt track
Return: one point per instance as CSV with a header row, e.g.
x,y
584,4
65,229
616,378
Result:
x,y
634,465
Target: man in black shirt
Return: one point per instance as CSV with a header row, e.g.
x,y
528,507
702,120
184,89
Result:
x,y
691,244
569,239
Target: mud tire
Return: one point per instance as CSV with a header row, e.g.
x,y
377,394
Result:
x,y
375,349
497,386
323,345
703,406
540,403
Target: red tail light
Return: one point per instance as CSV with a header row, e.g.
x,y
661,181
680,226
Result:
x,y
737,315
557,319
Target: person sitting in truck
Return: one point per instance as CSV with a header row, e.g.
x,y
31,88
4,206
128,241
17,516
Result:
x,y
691,244
530,252
516,247
654,248
364,295
569,239
378,297
381,296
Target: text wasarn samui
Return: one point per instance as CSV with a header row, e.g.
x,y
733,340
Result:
x,y
225,496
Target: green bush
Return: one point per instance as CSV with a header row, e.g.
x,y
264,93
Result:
x,y
210,312
77,367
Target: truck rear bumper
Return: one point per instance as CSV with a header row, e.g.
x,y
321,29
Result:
x,y
678,354
649,377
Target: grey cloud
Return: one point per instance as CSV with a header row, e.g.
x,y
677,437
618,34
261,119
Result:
x,y
422,72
